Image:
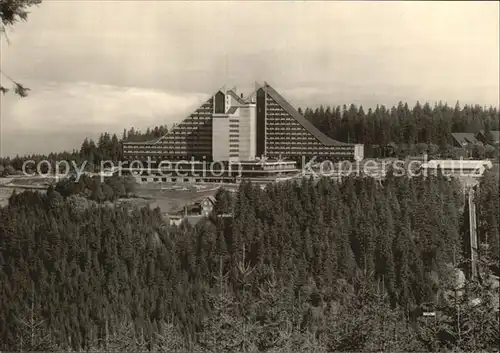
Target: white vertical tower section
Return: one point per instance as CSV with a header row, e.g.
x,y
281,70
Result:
x,y
220,137
234,132
359,152
247,132
229,102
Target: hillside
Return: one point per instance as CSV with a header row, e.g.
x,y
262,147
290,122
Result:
x,y
293,271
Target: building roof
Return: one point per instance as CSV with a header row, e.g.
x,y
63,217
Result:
x,y
193,220
457,164
465,138
186,209
235,96
495,134
232,110
250,99
177,205
156,140
265,161
211,198
325,140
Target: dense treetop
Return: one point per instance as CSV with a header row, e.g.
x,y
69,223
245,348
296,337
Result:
x,y
297,261
412,130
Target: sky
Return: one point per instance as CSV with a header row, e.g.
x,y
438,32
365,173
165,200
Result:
x,y
95,66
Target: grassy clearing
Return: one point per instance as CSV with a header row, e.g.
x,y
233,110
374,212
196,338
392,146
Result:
x,y
5,193
172,200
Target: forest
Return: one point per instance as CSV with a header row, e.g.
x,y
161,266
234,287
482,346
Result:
x,y
409,131
96,189
312,266
406,131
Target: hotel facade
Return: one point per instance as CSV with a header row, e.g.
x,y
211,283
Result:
x,y
228,127
261,135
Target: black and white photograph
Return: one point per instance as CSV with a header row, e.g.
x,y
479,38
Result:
x,y
210,176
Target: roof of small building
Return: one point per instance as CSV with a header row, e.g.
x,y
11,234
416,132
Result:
x,y
464,138
212,199
193,220
457,163
232,110
190,206
200,200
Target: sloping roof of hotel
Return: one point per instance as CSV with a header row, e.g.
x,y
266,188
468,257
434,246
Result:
x,y
194,219
325,140
248,99
235,96
465,138
320,136
199,200
156,140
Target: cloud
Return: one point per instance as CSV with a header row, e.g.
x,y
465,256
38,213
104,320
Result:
x,y
313,52
70,112
197,46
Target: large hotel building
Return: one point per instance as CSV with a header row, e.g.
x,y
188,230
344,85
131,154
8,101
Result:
x,y
229,127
